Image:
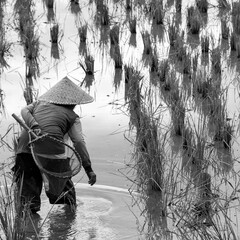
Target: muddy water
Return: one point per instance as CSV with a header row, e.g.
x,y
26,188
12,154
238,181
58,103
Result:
x,y
105,120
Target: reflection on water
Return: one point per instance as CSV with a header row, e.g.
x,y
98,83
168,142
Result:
x,y
183,78
88,222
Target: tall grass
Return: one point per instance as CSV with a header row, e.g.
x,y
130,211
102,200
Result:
x,y
13,217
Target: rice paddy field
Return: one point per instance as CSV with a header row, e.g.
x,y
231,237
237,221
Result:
x,y
164,126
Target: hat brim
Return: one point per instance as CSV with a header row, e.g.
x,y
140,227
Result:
x,y
66,92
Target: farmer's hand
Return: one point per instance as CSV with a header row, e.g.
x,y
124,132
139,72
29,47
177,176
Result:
x,y
36,130
92,178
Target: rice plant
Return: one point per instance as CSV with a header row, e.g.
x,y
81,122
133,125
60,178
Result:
x,y
195,63
186,63
238,46
49,3
4,44
54,33
82,32
116,55
154,62
158,14
104,15
216,60
193,20
133,25
128,5
223,128
178,6
225,28
88,65
13,217
146,43
236,17
223,4
233,42
30,41
180,47
114,35
202,5
177,111
163,70
74,7
205,44
172,33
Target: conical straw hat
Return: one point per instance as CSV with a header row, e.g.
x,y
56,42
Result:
x,y
66,92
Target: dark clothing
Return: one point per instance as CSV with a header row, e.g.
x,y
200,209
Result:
x,y
61,190
52,119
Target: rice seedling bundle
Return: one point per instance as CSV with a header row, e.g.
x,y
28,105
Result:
x,y
178,6
233,42
50,3
236,17
186,62
133,25
104,15
154,62
4,52
173,32
238,46
54,33
223,4
128,4
225,29
178,116
159,13
114,35
55,51
82,32
116,55
163,70
205,44
146,43
195,63
202,5
216,60
88,67
193,20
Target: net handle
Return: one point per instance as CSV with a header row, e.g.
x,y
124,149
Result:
x,y
24,125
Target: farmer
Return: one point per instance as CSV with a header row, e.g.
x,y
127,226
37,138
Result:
x,y
54,114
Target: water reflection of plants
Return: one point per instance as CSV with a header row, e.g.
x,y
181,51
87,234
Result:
x,y
181,195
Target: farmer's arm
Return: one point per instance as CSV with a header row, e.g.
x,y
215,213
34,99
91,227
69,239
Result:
x,y
27,115
76,135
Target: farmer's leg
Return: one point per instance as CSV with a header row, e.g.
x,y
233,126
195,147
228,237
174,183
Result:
x,y
29,180
65,195
59,190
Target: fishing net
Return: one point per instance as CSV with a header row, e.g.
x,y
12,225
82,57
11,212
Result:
x,y
63,165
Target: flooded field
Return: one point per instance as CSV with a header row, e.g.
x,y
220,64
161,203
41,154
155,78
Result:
x,y
164,75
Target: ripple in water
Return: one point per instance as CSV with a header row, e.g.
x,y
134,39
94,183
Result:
x,y
90,221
